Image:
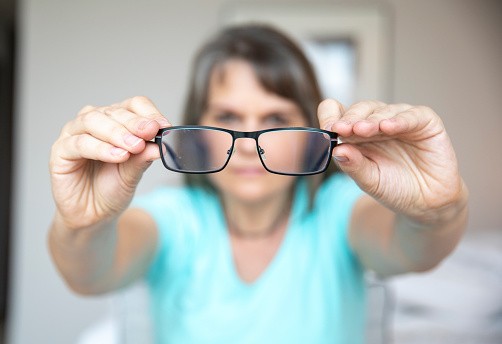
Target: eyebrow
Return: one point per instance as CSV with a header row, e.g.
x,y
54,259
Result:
x,y
230,108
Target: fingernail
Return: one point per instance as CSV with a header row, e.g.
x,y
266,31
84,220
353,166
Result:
x,y
344,121
132,140
329,126
143,124
163,123
341,158
118,151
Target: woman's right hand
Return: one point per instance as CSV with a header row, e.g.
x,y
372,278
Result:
x,y
99,158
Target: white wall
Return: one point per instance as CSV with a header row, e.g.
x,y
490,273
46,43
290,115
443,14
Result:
x,y
446,55
74,53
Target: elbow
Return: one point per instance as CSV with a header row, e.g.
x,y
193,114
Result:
x,y
423,267
427,263
403,268
87,289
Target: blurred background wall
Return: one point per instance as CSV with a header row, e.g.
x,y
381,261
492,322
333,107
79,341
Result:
x,y
446,54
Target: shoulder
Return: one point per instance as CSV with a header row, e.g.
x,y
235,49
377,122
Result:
x,y
183,217
171,199
178,211
338,190
334,206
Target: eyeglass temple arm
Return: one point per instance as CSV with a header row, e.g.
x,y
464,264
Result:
x,y
322,158
334,142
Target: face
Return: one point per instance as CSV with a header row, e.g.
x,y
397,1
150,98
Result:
x,y
238,101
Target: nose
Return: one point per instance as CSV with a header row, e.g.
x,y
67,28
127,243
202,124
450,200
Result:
x,y
245,145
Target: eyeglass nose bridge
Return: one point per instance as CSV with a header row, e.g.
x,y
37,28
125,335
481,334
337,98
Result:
x,y
258,150
242,134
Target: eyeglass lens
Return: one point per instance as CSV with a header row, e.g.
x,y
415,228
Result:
x,y
294,151
196,149
283,151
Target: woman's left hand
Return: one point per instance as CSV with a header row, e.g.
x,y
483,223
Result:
x,y
399,154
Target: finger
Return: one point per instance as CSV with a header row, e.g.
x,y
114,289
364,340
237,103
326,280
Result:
x,y
137,125
370,126
134,167
356,112
329,111
416,119
361,169
105,128
85,146
86,108
144,107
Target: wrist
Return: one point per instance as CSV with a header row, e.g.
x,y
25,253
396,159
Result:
x,y
455,210
69,233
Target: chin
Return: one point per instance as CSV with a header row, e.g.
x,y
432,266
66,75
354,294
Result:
x,y
252,190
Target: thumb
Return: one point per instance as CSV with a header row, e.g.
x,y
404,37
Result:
x,y
137,164
353,163
330,111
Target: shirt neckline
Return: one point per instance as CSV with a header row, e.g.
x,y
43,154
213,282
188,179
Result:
x,y
298,206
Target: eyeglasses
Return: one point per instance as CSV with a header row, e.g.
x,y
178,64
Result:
x,y
289,151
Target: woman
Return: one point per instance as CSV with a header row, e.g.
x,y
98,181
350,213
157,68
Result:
x,y
244,255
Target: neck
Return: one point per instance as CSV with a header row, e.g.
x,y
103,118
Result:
x,y
257,220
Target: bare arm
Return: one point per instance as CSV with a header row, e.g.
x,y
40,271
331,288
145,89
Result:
x,y
402,157
104,257
95,166
390,244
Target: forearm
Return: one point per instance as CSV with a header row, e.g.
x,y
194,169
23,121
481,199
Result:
x,y
390,243
423,243
84,256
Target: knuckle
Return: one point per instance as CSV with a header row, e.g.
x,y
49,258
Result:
x,y
423,109
111,110
103,149
133,122
140,100
86,108
80,142
369,104
117,132
361,103
54,149
66,128
328,103
382,109
403,105
85,118
89,117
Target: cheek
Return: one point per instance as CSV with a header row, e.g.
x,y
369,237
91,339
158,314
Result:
x,y
216,147
285,152
251,189
218,153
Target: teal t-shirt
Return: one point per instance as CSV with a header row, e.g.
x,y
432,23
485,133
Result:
x,y
313,291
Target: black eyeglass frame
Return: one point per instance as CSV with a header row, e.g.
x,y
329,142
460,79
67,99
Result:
x,y
248,134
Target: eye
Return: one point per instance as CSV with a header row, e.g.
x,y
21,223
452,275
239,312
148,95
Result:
x,y
226,118
276,120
